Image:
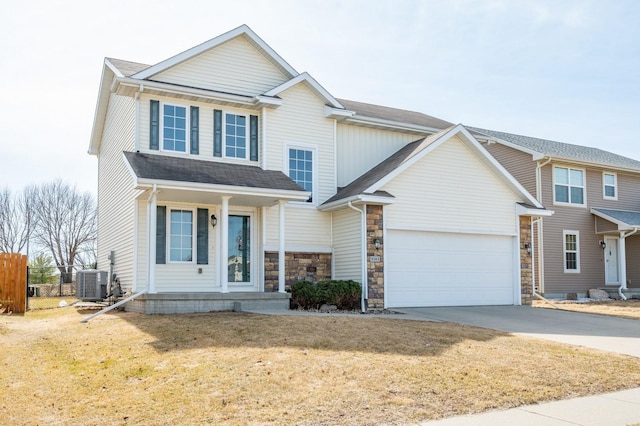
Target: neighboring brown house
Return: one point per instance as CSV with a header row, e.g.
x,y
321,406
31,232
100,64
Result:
x,y
592,240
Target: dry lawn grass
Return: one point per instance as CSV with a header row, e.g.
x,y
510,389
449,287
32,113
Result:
x,y
619,308
239,368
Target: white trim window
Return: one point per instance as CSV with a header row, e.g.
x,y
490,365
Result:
x,y
235,136
569,186
571,251
181,235
175,125
301,167
609,186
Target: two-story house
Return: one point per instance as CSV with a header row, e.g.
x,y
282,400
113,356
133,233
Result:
x,y
592,240
225,175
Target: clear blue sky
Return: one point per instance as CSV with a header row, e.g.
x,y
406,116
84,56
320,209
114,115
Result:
x,y
562,70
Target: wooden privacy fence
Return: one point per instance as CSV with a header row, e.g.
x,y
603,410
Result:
x,y
13,283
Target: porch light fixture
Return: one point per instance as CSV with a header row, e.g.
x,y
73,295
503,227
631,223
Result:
x,y
602,244
527,247
377,243
214,220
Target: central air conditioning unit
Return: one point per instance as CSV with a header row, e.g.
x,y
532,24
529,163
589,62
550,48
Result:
x,y
91,285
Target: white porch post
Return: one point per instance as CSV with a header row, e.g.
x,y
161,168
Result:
x,y
622,255
224,244
281,269
152,219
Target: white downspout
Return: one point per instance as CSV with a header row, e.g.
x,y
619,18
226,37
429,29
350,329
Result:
x,y
539,167
364,255
281,248
623,261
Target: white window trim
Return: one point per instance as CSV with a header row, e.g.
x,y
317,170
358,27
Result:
x,y
314,164
187,147
564,251
584,186
615,186
194,255
247,135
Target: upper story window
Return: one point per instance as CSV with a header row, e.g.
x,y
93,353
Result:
x,y
174,128
610,186
181,236
301,168
235,136
571,250
569,186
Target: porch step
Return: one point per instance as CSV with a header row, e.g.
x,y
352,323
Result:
x,y
184,303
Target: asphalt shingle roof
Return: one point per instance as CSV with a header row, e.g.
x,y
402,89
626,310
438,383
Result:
x,y
564,150
127,68
630,218
394,114
164,167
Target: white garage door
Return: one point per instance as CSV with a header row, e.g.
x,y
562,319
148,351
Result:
x,y
446,269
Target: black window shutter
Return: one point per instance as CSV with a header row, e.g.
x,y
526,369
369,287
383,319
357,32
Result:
x,y
161,235
217,133
253,138
195,112
203,236
154,126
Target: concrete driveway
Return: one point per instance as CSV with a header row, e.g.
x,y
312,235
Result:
x,y
594,331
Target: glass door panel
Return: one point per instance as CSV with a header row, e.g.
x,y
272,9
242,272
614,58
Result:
x,y
239,262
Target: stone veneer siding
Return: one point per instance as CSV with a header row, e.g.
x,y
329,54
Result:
x,y
375,270
311,267
526,284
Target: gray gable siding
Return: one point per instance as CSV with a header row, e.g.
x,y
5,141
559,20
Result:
x,y
518,163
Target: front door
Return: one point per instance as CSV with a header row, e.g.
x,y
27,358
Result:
x,y
239,261
611,263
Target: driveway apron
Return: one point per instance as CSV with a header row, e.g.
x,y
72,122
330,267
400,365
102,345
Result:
x,y
593,331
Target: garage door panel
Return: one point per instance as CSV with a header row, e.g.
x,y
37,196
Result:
x,y
446,269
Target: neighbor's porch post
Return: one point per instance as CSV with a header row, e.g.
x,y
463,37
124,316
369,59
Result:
x,y
224,244
281,268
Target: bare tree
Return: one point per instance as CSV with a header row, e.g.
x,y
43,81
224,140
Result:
x,y
65,223
16,220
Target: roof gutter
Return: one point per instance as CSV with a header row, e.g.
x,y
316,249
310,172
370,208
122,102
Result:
x,y
364,255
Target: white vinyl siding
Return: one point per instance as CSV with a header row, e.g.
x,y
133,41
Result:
x,y
115,190
450,190
176,277
307,229
205,129
233,67
347,245
301,121
360,148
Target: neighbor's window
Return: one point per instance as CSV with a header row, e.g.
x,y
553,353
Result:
x,y
235,136
181,236
568,185
571,251
610,186
301,168
174,128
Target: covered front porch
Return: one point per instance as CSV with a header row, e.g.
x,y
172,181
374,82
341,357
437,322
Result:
x,y
619,231
202,234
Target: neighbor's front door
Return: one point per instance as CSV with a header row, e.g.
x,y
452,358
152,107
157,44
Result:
x,y
239,260
611,263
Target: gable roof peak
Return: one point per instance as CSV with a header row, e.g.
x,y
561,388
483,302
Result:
x,y
241,31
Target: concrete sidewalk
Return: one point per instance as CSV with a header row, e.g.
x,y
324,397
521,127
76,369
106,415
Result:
x,y
612,409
